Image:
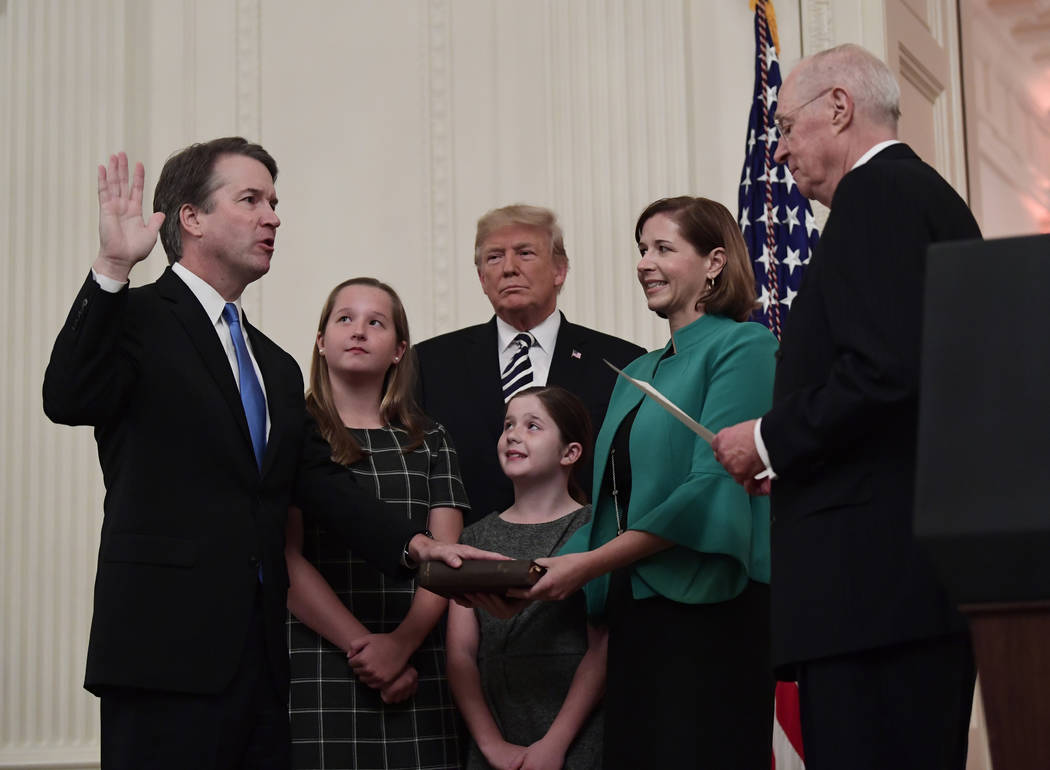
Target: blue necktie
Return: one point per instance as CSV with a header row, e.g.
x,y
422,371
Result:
x,y
251,391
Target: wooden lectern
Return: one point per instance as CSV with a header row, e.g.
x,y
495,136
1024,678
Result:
x,y
982,504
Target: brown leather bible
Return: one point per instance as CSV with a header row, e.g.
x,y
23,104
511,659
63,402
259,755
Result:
x,y
478,576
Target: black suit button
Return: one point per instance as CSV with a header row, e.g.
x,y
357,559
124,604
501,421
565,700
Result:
x,y
80,313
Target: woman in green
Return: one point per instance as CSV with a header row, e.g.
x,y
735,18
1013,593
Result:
x,y
676,557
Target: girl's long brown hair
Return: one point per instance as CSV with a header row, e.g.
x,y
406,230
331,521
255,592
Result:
x,y
398,406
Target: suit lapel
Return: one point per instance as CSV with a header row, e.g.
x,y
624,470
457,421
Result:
x,y
567,361
201,333
481,360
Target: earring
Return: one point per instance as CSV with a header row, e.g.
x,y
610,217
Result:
x,y
710,283
321,351
396,359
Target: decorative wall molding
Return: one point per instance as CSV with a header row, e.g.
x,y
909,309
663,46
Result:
x,y
1009,139
817,34
915,72
249,108
249,102
438,104
71,758
59,57
621,107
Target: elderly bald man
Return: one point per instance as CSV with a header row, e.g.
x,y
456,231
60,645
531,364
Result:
x,y
883,659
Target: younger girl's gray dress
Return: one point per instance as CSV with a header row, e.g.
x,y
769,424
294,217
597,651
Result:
x,y
527,662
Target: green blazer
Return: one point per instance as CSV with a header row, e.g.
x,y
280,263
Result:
x,y
720,374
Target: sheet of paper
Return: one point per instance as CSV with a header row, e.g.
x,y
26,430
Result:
x,y
667,404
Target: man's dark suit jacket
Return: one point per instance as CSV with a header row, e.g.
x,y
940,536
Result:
x,y
847,573
459,386
189,518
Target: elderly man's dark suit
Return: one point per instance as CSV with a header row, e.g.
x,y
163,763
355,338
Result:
x,y
189,517
459,386
848,576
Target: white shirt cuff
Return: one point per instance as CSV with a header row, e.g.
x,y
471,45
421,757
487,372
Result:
x,y
112,285
760,447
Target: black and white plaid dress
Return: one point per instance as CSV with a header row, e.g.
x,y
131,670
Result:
x,y
337,722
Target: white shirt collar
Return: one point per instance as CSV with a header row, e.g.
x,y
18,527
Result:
x,y
873,152
546,333
210,300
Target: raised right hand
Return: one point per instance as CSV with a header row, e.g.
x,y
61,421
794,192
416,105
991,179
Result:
x,y
125,238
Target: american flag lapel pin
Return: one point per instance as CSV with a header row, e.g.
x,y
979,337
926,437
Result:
x,y
577,354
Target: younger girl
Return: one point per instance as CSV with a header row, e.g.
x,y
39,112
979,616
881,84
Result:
x,y
529,686
390,707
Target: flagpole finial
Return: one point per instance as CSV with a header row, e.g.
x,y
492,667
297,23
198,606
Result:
x,y
771,20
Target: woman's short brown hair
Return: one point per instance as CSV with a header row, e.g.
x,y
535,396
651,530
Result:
x,y
708,225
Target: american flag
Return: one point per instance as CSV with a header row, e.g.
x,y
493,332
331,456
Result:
x,y
775,218
780,232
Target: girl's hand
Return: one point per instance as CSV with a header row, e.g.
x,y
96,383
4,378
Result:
x,y
378,659
565,576
544,755
504,756
402,688
496,605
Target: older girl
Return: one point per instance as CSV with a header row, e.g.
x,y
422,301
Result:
x,y
389,708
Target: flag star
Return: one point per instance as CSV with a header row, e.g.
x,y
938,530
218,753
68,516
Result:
x,y
766,299
772,175
792,259
771,56
764,220
744,221
787,179
792,219
770,96
766,257
791,294
751,141
746,184
811,224
769,136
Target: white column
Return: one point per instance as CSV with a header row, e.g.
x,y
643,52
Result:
x,y
61,59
